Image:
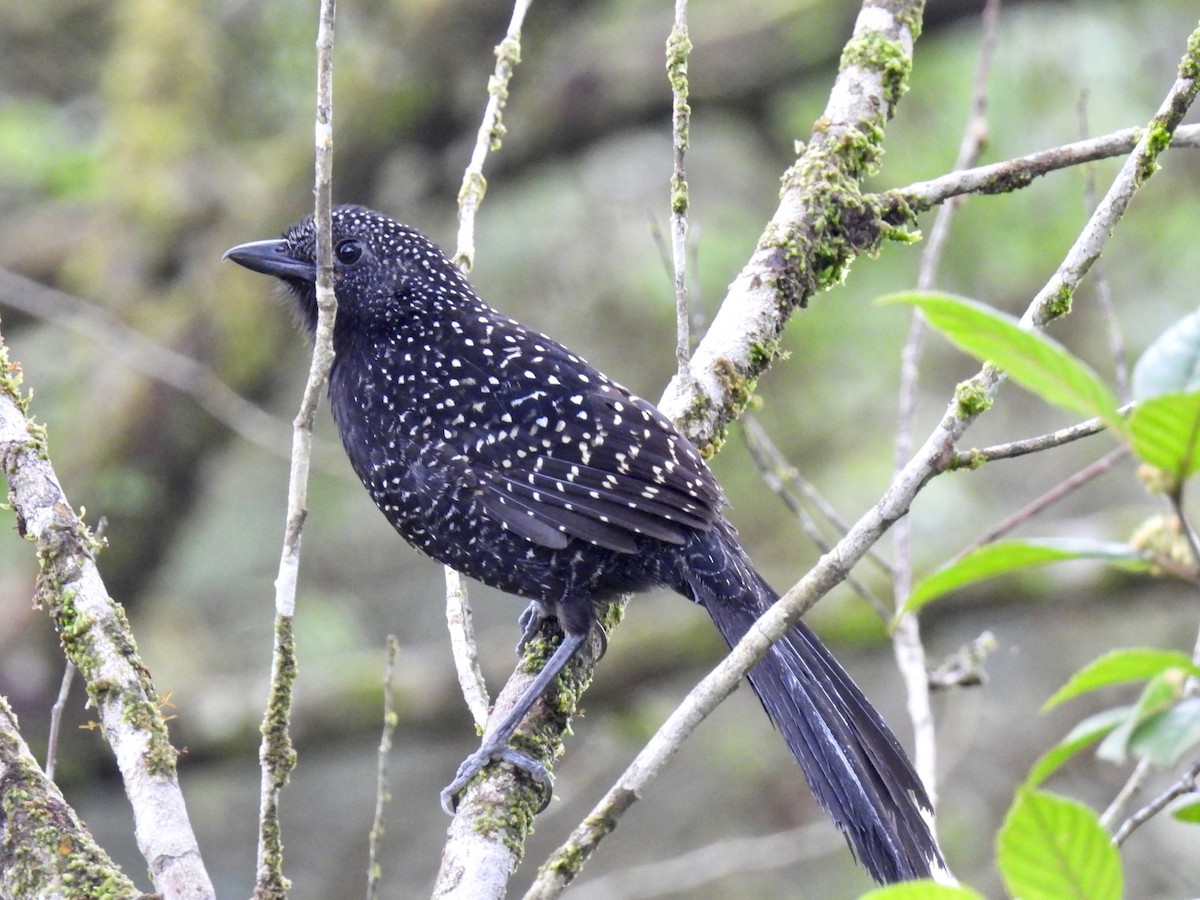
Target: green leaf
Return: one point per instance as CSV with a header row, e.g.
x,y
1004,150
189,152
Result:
x,y
1119,666
1172,363
1165,738
1188,812
1005,556
1164,431
1030,358
921,890
1051,847
1159,694
1082,735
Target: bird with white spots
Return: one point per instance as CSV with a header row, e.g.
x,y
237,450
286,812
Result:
x,y
496,450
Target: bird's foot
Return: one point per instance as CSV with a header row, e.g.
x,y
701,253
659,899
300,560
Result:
x,y
487,754
531,621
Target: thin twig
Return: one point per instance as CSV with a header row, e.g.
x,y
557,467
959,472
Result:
x,y
463,648
679,47
1019,172
56,714
1049,498
490,134
777,474
1186,784
967,459
382,789
277,755
1112,325
907,645
470,195
1124,799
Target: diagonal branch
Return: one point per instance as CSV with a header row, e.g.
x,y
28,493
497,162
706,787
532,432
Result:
x,y
96,638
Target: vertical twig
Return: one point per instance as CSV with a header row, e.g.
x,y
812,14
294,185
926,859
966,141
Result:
x,y
277,755
906,638
463,648
679,46
56,714
382,792
470,195
490,134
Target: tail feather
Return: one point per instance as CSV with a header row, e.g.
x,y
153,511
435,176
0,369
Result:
x,y
853,763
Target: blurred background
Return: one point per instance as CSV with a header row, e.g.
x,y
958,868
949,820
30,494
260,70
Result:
x,y
139,139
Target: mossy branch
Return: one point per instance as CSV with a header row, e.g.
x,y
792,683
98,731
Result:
x,y
45,851
95,636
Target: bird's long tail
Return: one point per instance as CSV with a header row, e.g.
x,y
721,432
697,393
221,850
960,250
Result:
x,y
853,763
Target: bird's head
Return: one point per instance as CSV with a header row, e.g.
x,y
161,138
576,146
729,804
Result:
x,y
379,267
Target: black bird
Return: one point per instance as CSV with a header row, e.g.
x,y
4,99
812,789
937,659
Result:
x,y
498,451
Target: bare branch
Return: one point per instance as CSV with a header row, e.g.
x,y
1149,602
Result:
x,y
777,474
382,791
1187,784
1064,489
464,648
56,714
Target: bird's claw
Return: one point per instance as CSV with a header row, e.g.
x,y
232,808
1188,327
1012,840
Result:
x,y
530,621
485,755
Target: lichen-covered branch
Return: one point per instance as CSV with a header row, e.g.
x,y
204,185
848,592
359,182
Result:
x,y
45,851
822,224
96,638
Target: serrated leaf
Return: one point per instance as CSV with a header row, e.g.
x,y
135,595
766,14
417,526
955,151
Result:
x,y
995,559
921,890
1188,812
1171,364
1033,360
1164,431
1119,666
1082,735
1051,847
1166,737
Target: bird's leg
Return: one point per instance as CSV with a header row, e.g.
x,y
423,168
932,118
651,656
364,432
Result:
x,y
495,743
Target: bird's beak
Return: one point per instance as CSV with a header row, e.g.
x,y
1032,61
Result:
x,y
271,258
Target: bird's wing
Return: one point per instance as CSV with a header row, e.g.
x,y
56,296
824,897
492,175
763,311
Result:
x,y
600,465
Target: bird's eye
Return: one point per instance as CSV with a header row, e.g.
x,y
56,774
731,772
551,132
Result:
x,y
348,252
